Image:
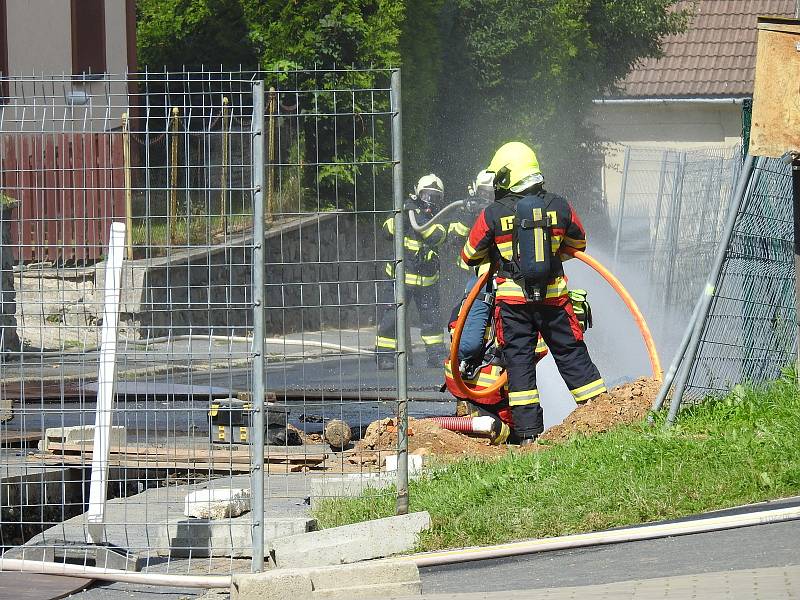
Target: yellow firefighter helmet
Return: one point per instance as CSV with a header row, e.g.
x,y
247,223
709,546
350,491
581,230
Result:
x,y
515,168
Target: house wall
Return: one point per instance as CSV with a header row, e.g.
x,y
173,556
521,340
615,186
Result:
x,y
669,126
40,45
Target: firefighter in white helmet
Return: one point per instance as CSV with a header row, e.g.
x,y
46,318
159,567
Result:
x,y
421,259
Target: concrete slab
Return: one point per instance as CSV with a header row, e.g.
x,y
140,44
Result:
x,y
351,543
221,503
77,434
379,579
193,538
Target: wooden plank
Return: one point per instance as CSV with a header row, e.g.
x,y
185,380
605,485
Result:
x,y
18,438
36,586
77,182
116,461
30,199
10,183
188,454
776,111
66,196
51,212
94,243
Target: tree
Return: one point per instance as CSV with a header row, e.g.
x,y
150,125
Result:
x,y
476,73
528,71
172,34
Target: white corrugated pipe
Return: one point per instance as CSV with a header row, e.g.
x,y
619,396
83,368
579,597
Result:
x,y
51,568
446,557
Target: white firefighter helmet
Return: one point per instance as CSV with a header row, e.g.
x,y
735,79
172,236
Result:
x,y
483,186
429,182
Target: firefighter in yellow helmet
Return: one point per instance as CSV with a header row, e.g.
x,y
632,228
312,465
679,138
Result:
x,y
521,233
421,258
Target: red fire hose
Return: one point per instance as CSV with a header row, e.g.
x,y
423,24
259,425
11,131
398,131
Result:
x,y
615,283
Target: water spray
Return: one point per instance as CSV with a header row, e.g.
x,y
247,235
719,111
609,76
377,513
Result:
x,y
615,283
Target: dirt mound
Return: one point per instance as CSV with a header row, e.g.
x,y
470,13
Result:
x,y
622,405
425,437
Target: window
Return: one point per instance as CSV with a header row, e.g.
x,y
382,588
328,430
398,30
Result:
x,y
3,52
88,37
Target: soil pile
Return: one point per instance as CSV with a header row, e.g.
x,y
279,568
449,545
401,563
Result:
x,y
425,437
622,405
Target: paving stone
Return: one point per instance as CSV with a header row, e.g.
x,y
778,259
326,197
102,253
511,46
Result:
x,y
351,543
378,579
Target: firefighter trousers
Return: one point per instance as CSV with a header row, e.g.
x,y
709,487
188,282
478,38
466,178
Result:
x,y
557,324
426,299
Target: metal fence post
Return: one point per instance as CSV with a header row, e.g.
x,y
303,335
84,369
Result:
x,y
674,227
223,183
795,164
693,341
661,180
622,192
259,367
126,165
272,107
400,299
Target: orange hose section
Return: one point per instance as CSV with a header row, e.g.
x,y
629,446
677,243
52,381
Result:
x,y
638,317
655,362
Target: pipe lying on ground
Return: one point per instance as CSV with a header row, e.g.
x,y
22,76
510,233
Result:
x,y
446,557
210,338
598,538
482,424
52,568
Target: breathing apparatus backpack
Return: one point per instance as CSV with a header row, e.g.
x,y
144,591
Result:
x,y
533,263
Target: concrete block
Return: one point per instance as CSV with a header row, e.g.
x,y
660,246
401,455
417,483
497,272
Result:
x,y
220,503
414,464
225,537
6,409
379,579
351,543
79,434
351,485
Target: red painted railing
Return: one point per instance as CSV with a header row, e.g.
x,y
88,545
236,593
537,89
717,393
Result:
x,y
70,188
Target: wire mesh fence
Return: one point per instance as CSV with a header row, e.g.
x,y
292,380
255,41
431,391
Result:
x,y
223,181
667,223
749,335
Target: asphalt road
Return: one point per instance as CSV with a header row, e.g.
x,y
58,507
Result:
x,y
774,545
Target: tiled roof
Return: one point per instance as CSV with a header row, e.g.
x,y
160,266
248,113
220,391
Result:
x,y
715,57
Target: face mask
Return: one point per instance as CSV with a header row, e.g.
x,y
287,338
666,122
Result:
x,y
429,200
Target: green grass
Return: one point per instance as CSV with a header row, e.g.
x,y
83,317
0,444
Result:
x,y
740,449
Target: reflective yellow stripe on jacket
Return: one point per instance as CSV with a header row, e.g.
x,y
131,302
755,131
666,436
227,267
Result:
x,y
413,278
509,289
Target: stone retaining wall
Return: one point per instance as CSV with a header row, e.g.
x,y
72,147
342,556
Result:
x,y
320,274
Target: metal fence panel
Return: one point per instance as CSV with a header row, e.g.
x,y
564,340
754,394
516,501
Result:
x,y
749,335
176,156
667,228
